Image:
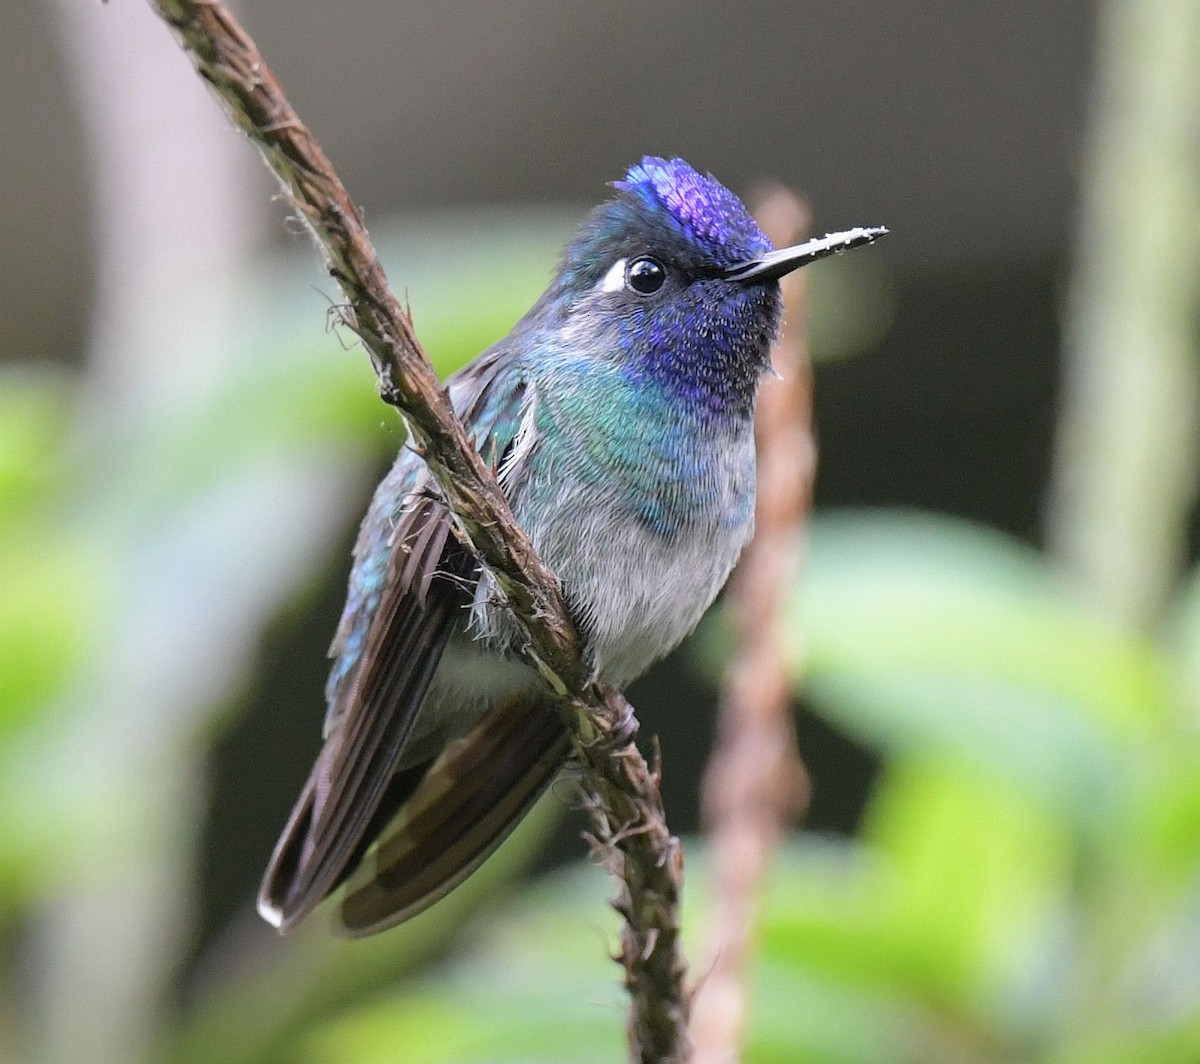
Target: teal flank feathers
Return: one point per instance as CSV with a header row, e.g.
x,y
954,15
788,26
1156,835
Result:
x,y
618,416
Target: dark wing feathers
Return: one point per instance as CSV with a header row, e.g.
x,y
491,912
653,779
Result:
x,y
381,697
406,590
463,808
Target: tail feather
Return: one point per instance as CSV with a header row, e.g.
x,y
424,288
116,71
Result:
x,y
466,804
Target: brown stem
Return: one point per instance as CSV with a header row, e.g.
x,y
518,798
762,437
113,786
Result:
x,y
756,782
619,788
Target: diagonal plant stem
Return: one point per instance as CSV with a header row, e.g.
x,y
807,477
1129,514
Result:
x,y
620,790
755,782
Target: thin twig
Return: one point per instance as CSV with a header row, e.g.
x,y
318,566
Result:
x,y
620,790
756,782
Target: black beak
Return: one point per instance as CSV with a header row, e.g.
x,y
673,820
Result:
x,y
775,264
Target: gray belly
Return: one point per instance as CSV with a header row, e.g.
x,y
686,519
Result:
x,y
639,594
634,591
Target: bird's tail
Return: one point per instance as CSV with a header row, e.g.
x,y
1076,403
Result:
x,y
465,805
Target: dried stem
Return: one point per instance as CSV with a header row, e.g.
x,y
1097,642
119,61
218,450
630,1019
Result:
x,y
620,790
756,782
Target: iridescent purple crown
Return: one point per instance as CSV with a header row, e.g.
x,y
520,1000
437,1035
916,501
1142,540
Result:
x,y
706,211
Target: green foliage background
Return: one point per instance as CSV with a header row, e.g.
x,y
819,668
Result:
x,y
1025,886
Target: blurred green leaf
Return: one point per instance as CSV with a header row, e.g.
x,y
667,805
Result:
x,y
266,998
797,1016
48,601
925,634
1182,639
49,593
535,985
980,872
1167,844
33,417
950,912
1139,1044
532,985
472,1027
916,593
1007,733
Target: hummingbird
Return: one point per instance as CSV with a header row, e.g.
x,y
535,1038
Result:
x,y
618,418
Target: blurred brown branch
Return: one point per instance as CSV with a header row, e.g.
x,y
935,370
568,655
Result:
x,y
756,782
620,790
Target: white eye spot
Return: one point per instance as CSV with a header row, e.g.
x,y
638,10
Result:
x,y
614,280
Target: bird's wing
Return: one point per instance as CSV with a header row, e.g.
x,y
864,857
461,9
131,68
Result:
x,y
489,396
475,793
410,579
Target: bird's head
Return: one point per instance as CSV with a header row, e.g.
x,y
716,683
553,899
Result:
x,y
674,279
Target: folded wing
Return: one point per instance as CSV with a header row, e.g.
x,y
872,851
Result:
x,y
411,579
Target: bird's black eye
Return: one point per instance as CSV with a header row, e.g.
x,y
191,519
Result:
x,y
645,276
